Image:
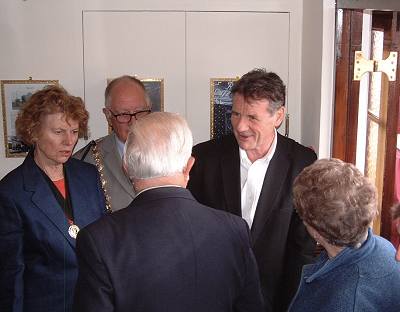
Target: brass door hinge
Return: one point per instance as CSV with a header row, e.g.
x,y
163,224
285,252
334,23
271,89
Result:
x,y
387,66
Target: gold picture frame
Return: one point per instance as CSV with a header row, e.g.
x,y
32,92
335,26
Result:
x,y
14,94
220,106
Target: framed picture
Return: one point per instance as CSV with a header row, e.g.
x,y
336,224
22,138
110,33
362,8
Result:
x,y
220,106
14,95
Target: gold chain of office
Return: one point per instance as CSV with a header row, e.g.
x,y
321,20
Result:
x,y
100,168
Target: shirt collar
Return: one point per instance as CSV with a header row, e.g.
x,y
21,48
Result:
x,y
347,256
156,187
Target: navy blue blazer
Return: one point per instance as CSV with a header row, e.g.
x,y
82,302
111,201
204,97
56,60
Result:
x,y
38,267
281,243
166,252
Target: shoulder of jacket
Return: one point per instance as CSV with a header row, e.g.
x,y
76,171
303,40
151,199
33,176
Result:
x,y
296,147
381,263
215,145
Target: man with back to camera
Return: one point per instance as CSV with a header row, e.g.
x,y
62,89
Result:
x,y
250,174
161,252
126,101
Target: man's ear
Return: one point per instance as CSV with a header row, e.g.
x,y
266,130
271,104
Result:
x,y
188,167
106,113
279,116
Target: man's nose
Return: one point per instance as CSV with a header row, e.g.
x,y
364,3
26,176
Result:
x,y
242,124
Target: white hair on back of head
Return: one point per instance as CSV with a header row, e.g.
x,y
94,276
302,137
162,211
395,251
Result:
x,y
158,145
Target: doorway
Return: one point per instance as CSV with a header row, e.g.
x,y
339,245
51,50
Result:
x,y
366,109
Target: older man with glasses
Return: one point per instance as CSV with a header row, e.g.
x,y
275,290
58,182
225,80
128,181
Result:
x,y
126,101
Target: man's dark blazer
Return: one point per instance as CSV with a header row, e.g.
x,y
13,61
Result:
x,y
166,252
281,243
38,267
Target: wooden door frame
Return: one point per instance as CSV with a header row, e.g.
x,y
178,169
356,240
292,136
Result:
x,y
391,133
346,104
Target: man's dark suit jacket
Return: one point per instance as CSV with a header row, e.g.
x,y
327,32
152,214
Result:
x,y
167,252
38,267
280,241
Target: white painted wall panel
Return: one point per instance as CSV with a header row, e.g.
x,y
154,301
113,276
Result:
x,y
146,44
229,44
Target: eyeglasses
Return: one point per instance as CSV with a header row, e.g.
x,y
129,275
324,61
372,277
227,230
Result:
x,y
127,117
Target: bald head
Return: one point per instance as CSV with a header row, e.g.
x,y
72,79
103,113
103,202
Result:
x,y
125,94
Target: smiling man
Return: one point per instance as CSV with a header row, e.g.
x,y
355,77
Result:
x,y
126,101
250,174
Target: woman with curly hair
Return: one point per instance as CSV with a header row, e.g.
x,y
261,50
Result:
x,y
43,204
357,270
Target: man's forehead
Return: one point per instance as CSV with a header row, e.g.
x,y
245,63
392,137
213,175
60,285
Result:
x,y
251,103
128,99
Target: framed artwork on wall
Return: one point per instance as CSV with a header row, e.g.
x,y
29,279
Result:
x,y
14,95
220,106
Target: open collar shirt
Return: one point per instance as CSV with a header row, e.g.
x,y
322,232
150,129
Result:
x,y
251,180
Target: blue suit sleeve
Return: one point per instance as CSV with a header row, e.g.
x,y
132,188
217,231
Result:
x,y
11,256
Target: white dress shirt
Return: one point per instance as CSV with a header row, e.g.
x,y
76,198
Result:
x,y
251,180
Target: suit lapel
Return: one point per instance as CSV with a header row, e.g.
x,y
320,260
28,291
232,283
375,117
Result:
x,y
114,162
272,188
230,166
44,199
78,197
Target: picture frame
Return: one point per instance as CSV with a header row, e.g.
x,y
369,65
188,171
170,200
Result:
x,y
14,95
220,106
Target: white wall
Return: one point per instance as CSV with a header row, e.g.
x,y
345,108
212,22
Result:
x,y
318,74
43,39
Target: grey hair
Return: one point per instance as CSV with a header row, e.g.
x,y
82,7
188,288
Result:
x,y
128,79
336,199
158,145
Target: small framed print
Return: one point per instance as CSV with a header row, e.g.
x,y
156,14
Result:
x,y
220,106
14,95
